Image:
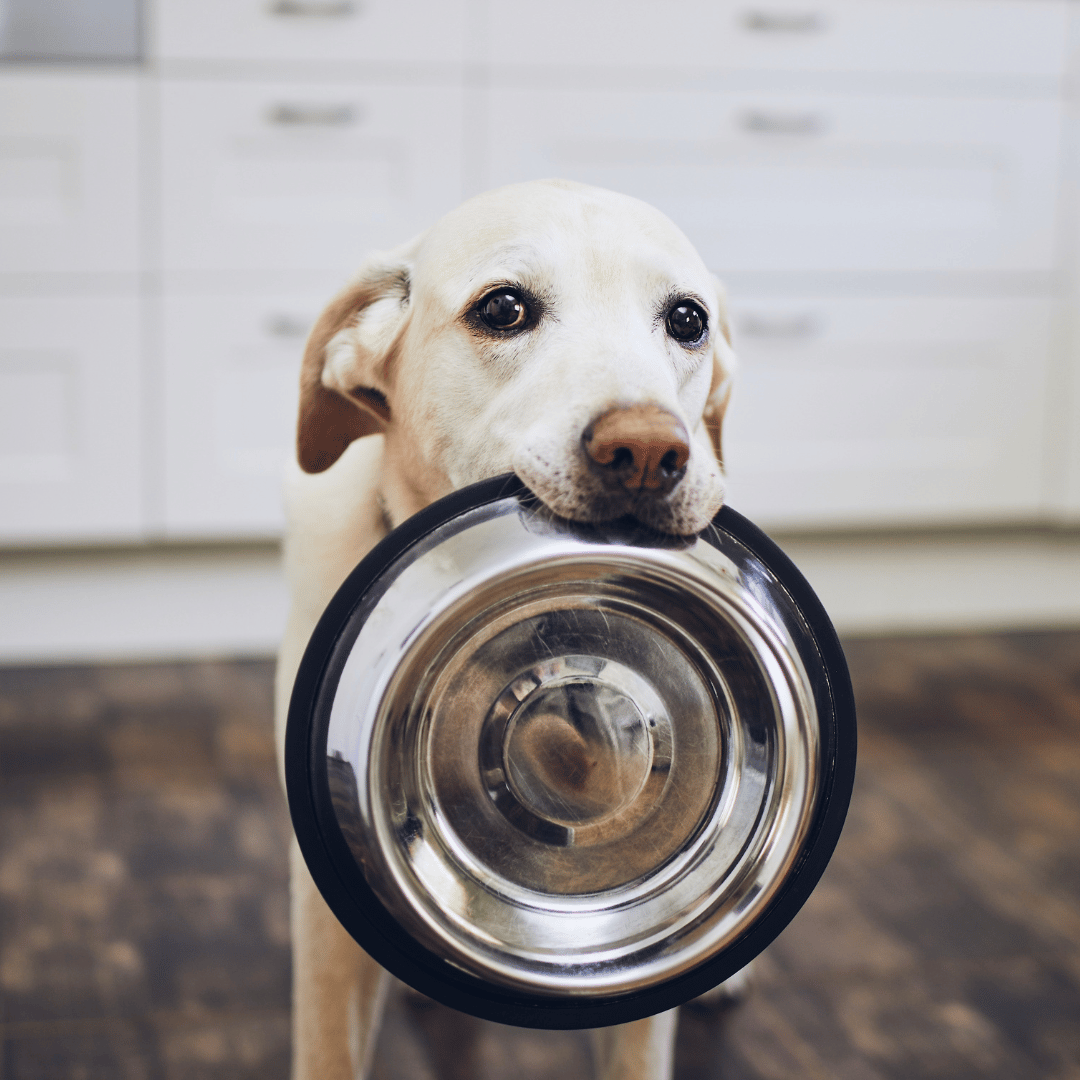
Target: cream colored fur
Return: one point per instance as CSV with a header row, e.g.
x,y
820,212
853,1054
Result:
x,y
403,401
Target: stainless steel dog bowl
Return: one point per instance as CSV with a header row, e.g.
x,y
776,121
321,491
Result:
x,y
561,775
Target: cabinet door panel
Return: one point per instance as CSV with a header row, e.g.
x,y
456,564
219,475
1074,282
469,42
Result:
x,y
232,369
769,182
866,411
68,173
299,176
70,419
969,37
423,31
772,181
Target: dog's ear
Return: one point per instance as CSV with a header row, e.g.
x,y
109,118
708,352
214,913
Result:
x,y
723,374
343,378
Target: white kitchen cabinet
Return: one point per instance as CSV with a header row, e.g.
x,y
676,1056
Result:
x,y
1063,431
915,37
860,411
302,176
71,419
69,174
420,32
898,161
231,385
807,182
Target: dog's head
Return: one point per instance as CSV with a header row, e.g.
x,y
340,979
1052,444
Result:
x,y
568,333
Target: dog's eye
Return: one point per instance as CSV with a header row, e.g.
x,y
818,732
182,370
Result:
x,y
686,322
503,310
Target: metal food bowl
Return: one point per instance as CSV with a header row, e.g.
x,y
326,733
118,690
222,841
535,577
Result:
x,y
560,775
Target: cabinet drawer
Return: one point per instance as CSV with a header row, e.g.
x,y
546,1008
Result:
x,y
366,30
70,30
867,411
959,37
811,182
232,372
70,419
68,173
302,176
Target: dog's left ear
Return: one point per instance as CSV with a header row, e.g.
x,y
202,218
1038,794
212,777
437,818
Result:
x,y
723,373
344,385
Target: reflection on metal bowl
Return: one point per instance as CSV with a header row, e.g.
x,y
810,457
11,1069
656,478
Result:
x,y
565,775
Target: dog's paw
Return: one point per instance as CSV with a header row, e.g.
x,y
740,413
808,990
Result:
x,y
729,992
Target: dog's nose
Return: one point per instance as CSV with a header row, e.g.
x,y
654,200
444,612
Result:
x,y
642,447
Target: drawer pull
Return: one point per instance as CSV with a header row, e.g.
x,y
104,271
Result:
x,y
294,114
287,326
758,21
797,327
313,9
768,122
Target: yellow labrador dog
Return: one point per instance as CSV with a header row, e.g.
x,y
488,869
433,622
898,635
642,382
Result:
x,y
570,334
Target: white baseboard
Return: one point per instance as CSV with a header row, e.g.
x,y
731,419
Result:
x,y
157,603
943,580
175,602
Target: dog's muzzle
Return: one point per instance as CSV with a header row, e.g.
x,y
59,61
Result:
x,y
567,776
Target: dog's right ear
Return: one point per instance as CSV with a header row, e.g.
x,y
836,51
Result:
x,y
344,392
723,374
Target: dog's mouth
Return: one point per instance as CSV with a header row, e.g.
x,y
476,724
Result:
x,y
651,516
658,518
634,530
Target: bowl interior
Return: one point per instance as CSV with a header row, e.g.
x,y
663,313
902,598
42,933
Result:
x,y
567,762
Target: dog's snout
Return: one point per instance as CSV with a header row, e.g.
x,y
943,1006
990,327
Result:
x,y
641,447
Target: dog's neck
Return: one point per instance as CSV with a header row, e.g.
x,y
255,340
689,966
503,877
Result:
x,y
406,485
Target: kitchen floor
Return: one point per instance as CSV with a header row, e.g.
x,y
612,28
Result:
x,y
144,911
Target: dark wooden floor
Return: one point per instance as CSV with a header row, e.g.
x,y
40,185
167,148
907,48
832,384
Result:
x,y
143,911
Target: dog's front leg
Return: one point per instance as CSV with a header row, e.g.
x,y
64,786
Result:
x,y
338,990
642,1050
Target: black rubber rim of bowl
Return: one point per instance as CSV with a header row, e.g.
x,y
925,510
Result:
x,y
341,881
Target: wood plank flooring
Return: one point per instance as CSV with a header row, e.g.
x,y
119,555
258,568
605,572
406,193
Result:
x,y
143,907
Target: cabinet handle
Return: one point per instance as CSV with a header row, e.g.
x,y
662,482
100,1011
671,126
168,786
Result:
x,y
799,326
772,122
759,21
295,114
313,9
292,327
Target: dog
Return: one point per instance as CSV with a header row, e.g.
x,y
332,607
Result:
x,y
564,332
